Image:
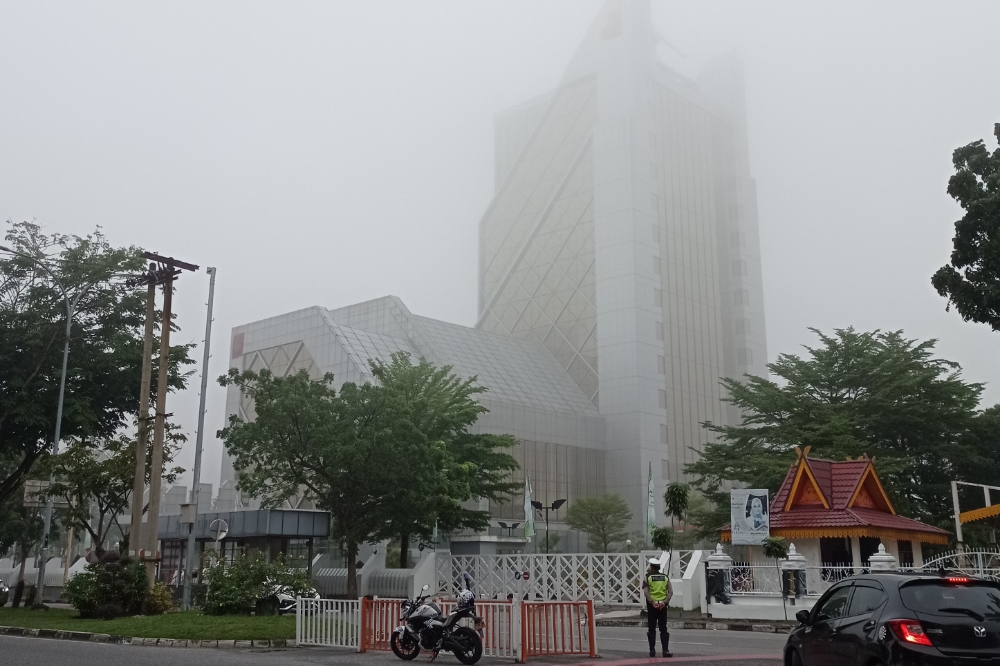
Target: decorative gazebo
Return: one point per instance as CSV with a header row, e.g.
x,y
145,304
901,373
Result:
x,y
837,513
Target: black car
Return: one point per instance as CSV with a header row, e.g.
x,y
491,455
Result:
x,y
890,619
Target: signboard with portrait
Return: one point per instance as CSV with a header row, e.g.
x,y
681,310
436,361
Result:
x,y
749,515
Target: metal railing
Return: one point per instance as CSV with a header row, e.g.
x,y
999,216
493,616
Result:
x,y
328,622
607,578
764,578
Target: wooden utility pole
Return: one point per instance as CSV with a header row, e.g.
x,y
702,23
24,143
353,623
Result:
x,y
156,460
169,269
139,481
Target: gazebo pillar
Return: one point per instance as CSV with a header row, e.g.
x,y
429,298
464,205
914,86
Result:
x,y
856,552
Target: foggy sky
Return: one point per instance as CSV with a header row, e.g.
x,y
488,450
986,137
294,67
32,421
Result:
x,y
328,153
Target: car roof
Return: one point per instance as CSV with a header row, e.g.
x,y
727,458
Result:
x,y
900,577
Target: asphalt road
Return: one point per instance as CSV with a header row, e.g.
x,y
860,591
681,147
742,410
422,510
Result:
x,y
615,643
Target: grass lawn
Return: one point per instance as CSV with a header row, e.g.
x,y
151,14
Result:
x,y
190,625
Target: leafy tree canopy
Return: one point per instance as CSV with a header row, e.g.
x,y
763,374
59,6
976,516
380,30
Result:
x,y
971,282
105,359
431,411
856,393
95,479
365,451
603,518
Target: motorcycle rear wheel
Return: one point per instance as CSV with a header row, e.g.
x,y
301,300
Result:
x,y
472,644
404,646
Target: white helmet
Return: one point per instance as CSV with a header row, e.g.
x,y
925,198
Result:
x,y
466,598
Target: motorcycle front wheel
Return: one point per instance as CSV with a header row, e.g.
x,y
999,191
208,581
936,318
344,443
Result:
x,y
468,645
404,646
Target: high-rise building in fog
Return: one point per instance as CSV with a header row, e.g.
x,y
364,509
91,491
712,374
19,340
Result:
x,y
619,280
623,237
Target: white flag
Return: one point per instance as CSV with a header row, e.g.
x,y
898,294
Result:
x,y
529,511
650,503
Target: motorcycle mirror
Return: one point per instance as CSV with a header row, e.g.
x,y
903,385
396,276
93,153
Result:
x,y
424,588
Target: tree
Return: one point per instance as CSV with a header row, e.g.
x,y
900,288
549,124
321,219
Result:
x,y
105,359
365,451
19,525
306,434
95,479
675,500
776,548
971,282
872,393
663,538
431,410
603,518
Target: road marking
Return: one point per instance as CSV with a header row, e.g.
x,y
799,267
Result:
x,y
636,640
669,660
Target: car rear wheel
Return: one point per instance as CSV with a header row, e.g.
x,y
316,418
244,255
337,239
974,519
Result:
x,y
794,658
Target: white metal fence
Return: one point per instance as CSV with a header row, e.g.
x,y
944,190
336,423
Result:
x,y
608,578
764,579
328,622
981,563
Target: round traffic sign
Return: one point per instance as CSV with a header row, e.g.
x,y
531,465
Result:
x,y
526,575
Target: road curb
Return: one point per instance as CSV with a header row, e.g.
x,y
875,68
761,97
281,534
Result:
x,y
86,636
697,624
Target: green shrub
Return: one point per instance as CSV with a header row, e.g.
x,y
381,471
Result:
x,y
111,587
159,600
235,589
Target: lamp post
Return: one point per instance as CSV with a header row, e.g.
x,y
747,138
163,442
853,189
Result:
x,y
510,528
71,302
196,482
540,507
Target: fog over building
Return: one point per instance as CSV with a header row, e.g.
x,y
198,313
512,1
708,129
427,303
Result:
x,y
619,277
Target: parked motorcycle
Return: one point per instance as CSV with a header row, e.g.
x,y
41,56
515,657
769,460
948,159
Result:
x,y
425,627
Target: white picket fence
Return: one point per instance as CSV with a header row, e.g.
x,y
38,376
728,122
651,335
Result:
x,y
328,622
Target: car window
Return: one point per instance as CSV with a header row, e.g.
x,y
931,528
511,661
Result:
x,y
940,597
865,600
834,606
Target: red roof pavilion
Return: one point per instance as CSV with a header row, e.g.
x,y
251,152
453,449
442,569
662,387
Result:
x,y
839,498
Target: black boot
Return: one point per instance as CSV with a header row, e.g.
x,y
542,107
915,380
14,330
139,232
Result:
x,y
652,644
665,640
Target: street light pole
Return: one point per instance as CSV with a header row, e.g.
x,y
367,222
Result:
x,y
40,583
196,482
555,507
71,304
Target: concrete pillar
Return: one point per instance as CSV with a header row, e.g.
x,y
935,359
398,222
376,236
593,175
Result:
x,y
882,561
793,574
856,553
717,583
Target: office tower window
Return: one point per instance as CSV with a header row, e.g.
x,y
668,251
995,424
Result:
x,y
659,330
661,365
744,356
663,399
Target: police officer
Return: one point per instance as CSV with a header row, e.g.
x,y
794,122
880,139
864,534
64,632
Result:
x,y
657,590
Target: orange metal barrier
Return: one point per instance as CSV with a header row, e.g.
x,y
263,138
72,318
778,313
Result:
x,y
499,634
557,627
541,628
379,617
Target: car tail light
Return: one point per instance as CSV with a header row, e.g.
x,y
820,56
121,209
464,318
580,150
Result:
x,y
910,631
957,579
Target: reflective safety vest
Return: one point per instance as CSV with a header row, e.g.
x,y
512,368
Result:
x,y
657,587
